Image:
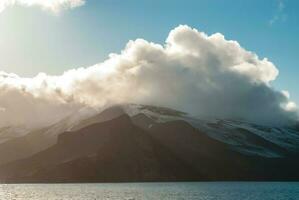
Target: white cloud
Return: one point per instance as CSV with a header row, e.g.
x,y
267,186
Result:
x,y
279,15
52,5
201,74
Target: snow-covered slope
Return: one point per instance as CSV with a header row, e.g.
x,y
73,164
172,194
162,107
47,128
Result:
x,y
245,137
8,133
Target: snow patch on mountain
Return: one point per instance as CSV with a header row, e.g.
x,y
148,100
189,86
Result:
x,y
8,133
244,137
240,135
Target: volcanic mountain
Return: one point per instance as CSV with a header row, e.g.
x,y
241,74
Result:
x,y
148,143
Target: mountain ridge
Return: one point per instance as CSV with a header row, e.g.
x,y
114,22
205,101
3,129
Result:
x,y
163,145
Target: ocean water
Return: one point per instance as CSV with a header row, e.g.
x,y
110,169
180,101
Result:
x,y
153,191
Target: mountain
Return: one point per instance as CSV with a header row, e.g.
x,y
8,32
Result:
x,y
18,142
149,143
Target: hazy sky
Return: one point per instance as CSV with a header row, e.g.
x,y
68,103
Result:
x,y
33,40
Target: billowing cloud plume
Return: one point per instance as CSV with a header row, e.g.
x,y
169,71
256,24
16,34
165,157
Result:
x,y
52,5
194,72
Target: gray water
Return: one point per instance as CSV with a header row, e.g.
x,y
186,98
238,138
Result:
x,y
153,191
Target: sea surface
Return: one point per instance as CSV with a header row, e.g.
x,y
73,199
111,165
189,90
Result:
x,y
153,191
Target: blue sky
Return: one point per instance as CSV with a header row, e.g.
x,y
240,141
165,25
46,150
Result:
x,y
32,40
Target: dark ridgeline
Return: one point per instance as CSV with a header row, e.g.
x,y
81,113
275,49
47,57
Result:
x,y
126,149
